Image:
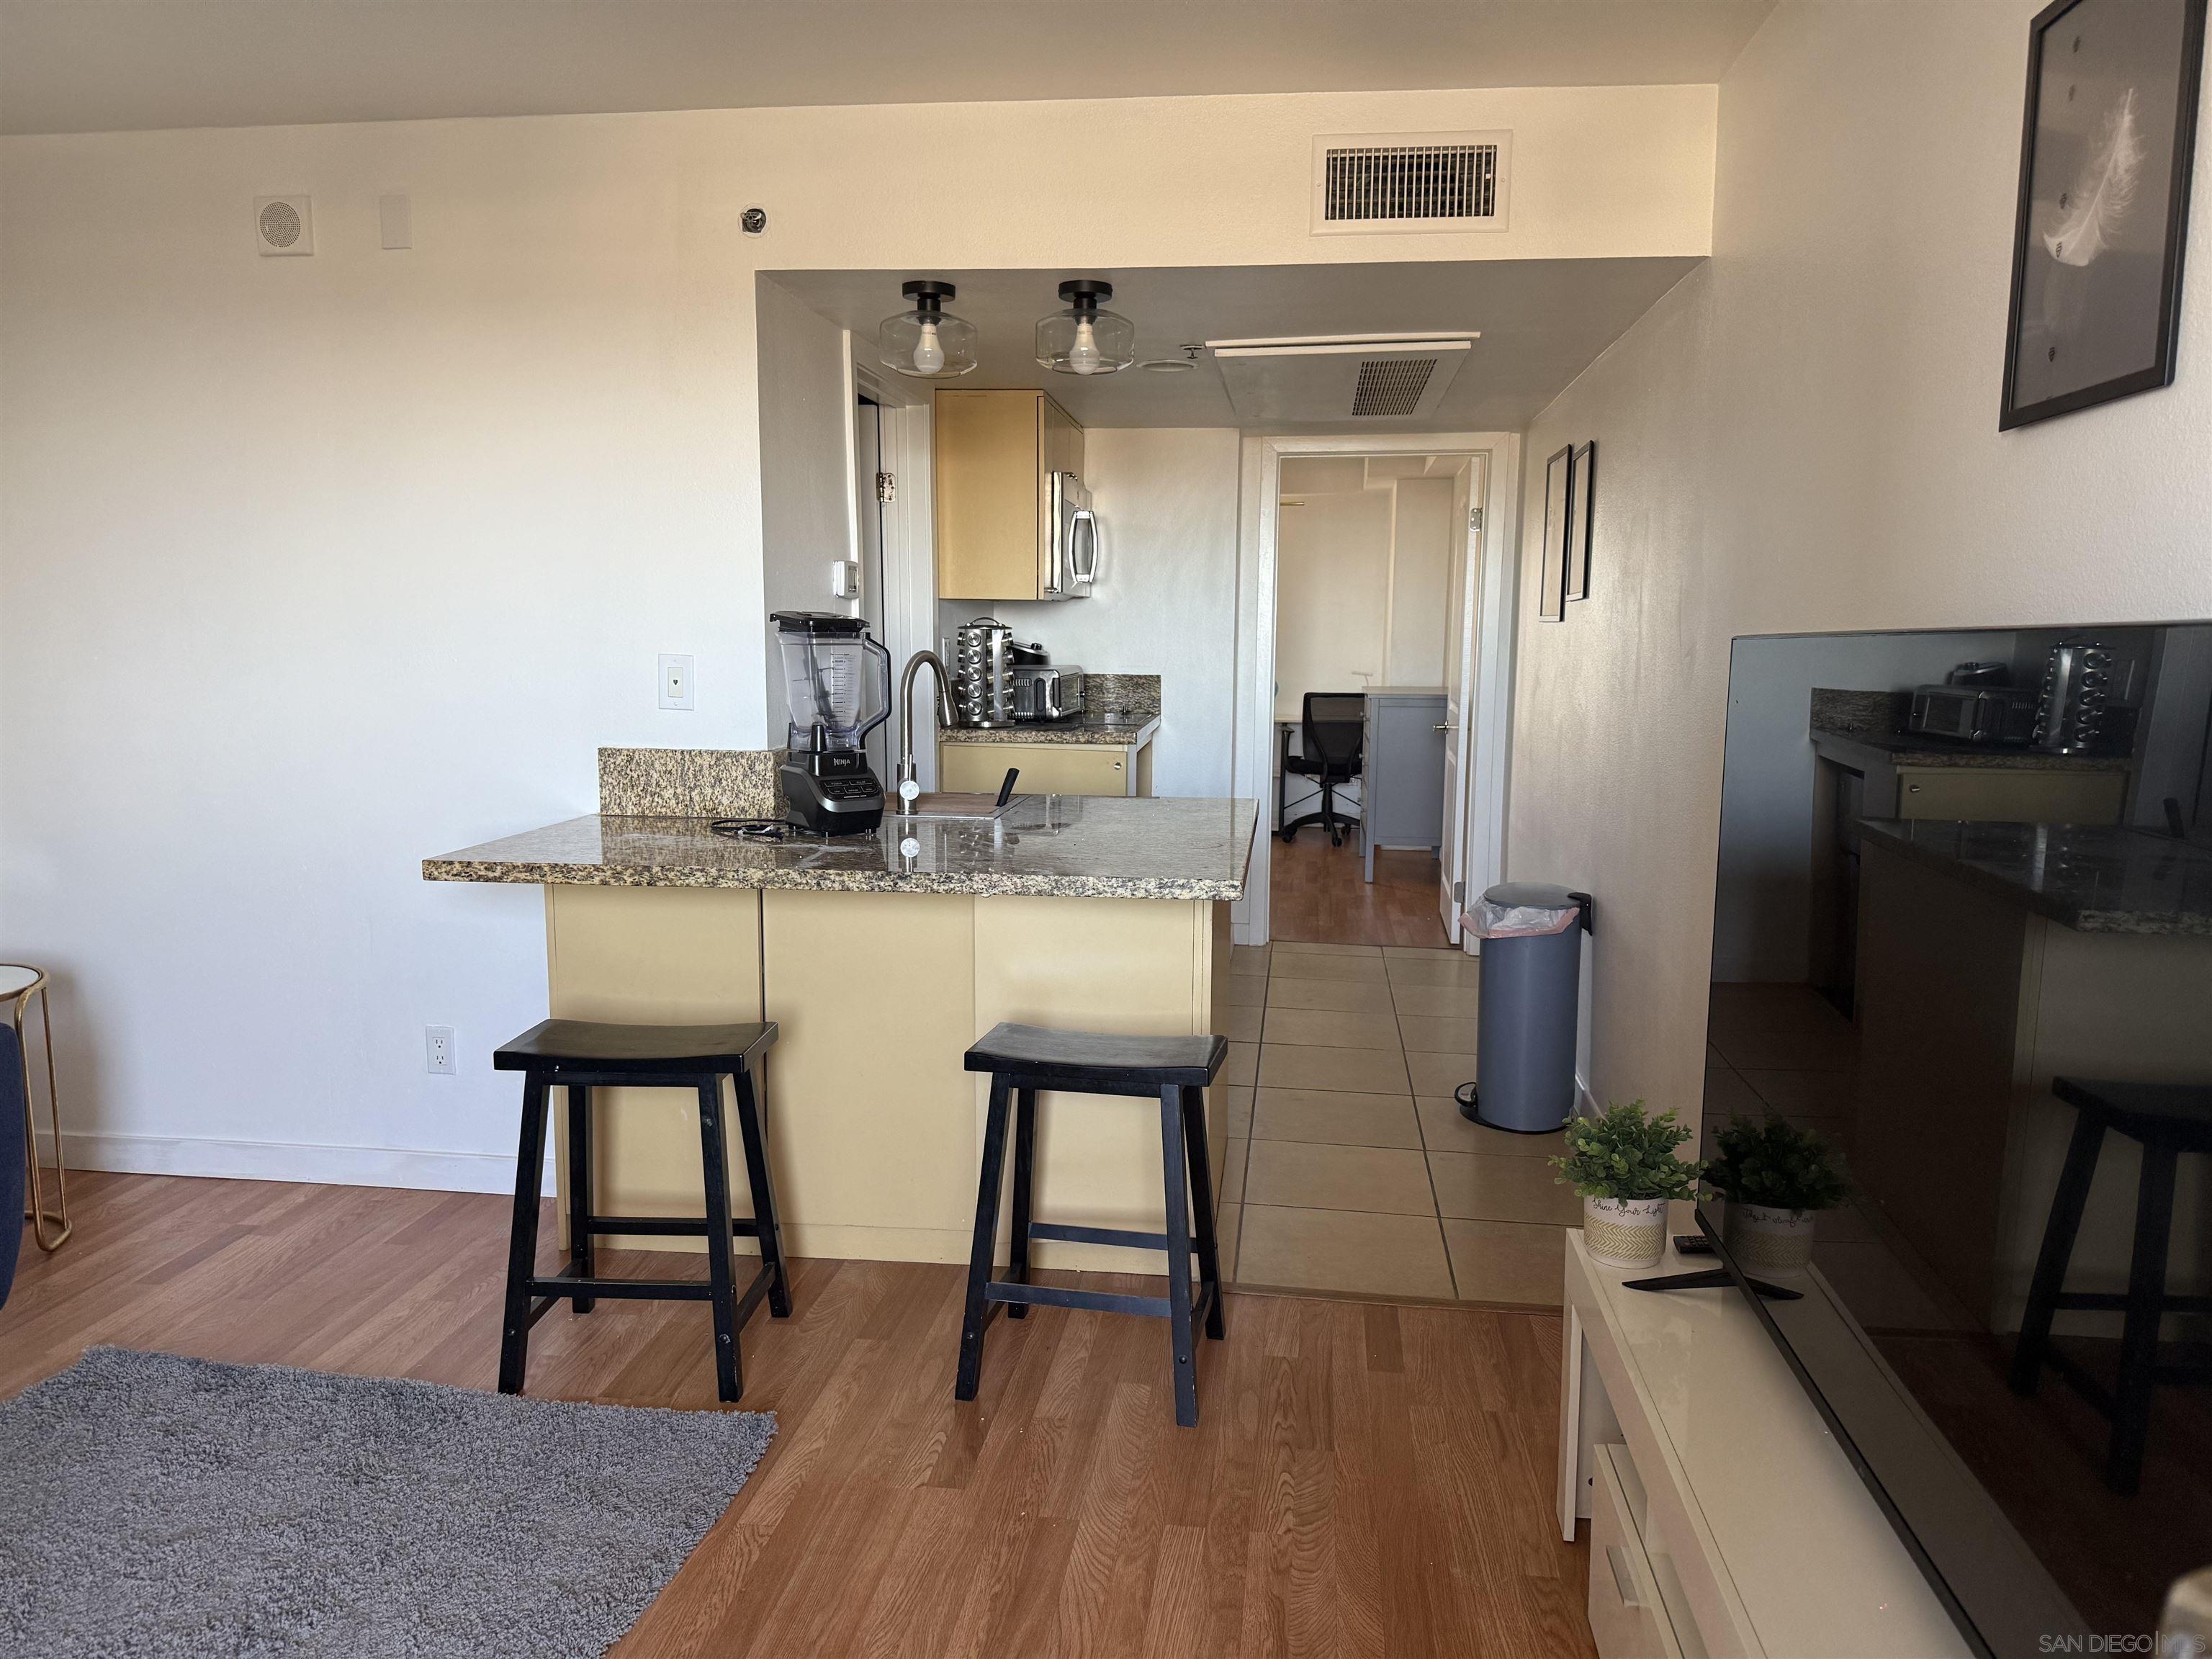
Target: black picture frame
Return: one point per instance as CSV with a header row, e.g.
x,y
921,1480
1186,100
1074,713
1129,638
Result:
x,y
2041,288
1581,478
1552,570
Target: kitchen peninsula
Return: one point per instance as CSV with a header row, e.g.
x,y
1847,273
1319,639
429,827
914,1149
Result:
x,y
1993,957
881,967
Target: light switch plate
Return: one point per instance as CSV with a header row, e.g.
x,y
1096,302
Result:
x,y
676,688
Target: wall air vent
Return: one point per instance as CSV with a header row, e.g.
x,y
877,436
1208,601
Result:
x,y
1370,377
1370,183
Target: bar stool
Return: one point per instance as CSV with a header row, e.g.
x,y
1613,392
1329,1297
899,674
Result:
x,y
1023,1059
582,1055
2168,1118
18,985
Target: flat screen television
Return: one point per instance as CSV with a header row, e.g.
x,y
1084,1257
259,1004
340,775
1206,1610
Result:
x,y
1963,940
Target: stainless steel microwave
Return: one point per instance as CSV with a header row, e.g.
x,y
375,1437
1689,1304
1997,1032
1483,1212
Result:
x,y
1073,568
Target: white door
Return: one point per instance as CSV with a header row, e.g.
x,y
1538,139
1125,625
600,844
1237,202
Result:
x,y
1459,687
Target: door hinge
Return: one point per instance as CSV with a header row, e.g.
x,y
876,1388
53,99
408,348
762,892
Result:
x,y
1459,892
1475,518
887,487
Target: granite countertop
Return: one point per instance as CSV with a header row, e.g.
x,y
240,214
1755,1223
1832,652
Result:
x,y
2096,878
1916,749
1073,846
1114,734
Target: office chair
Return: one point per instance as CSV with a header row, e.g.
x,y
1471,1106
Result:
x,y
1336,727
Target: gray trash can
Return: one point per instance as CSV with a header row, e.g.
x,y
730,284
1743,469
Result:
x,y
1532,953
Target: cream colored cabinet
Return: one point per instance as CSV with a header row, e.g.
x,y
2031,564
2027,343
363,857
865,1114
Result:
x,y
1999,795
996,453
1047,768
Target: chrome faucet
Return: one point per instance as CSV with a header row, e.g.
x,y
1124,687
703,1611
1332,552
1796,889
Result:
x,y
909,780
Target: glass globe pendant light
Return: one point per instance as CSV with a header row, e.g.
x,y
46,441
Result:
x,y
1082,339
929,342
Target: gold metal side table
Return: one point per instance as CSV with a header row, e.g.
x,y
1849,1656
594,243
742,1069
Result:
x,y
18,985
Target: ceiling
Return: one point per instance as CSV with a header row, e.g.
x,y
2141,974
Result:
x,y
76,66
1542,321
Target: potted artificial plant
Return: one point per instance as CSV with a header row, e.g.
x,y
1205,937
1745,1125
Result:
x,y
1775,1177
1623,1164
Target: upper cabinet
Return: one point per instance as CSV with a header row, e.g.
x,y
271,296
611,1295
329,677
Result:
x,y
1012,518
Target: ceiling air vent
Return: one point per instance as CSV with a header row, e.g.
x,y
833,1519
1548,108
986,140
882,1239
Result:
x,y
1371,183
1375,377
1391,385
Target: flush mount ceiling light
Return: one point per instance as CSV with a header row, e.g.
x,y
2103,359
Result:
x,y
1082,339
1181,365
929,342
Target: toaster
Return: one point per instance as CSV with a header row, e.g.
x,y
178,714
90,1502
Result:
x,y
1046,691
1974,714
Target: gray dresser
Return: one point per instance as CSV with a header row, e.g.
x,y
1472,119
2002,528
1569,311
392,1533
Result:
x,y
1402,782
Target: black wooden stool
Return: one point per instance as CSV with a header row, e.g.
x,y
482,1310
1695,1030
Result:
x,y
582,1055
1023,1059
2168,1118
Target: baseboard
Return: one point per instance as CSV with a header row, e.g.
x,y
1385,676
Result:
x,y
278,1160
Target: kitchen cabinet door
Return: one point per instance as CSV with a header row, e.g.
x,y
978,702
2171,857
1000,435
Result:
x,y
1047,768
993,450
1994,795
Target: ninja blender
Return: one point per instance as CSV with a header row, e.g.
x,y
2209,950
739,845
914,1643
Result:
x,y
836,698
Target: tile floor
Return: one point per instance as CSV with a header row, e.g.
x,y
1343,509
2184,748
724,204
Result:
x,y
1349,1168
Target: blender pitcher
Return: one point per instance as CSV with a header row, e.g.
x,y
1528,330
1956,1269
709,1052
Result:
x,y
834,696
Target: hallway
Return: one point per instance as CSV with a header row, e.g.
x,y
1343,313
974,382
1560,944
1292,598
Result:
x,y
1320,896
1350,1169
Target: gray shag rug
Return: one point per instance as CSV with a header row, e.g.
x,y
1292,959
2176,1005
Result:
x,y
154,1505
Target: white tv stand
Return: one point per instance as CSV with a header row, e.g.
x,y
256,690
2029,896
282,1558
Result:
x,y
1725,1520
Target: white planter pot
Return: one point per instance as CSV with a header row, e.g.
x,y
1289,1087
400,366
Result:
x,y
1767,1240
1624,1232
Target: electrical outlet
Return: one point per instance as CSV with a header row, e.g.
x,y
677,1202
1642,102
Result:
x,y
675,681
438,1046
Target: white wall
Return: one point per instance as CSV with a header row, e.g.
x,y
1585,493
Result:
x,y
312,567
1166,600
1423,530
1362,579
1332,594
1762,907
1802,437
807,477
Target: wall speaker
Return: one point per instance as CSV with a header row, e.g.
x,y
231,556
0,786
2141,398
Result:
x,y
284,224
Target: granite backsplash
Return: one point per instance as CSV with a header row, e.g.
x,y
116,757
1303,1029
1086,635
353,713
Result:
x,y
1860,711
1124,698
690,783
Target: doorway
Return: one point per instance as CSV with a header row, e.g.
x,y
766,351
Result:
x,y
1368,588
1371,557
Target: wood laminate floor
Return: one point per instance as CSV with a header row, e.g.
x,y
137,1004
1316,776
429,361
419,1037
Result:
x,y
1365,1478
1319,895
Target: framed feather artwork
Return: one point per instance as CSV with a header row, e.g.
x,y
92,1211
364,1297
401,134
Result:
x,y
2104,203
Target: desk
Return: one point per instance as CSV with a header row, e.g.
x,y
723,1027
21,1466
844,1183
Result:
x,y
1401,774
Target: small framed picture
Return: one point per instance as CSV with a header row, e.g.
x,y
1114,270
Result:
x,y
1552,597
2104,203
1581,475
